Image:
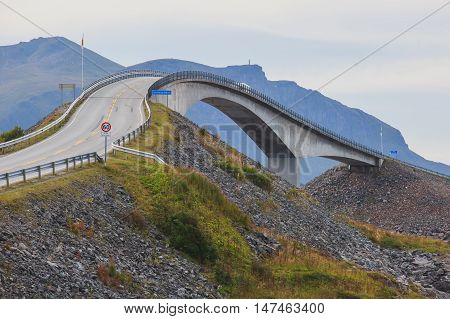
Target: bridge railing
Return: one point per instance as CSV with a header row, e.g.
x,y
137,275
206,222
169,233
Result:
x,y
49,168
261,97
243,88
91,88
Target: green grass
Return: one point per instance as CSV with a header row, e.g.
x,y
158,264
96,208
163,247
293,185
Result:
x,y
199,221
260,179
14,133
246,172
193,213
232,169
160,131
301,272
395,240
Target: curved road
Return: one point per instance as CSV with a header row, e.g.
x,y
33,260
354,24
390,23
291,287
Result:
x,y
119,103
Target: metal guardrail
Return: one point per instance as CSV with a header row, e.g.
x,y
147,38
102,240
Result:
x,y
241,88
80,158
94,86
40,169
132,136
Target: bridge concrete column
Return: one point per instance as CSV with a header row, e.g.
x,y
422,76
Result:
x,y
286,167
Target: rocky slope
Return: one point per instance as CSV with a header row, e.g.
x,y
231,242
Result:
x,y
75,242
307,223
397,197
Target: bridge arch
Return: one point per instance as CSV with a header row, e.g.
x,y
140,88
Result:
x,y
283,138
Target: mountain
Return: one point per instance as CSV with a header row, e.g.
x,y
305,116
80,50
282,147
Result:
x,y
350,122
31,71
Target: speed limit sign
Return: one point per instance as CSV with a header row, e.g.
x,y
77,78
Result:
x,y
106,127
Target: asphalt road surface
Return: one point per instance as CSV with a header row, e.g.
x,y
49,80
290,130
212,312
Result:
x,y
118,103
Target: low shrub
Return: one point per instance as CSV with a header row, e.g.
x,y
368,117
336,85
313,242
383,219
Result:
x,y
232,169
394,240
300,197
136,218
111,277
202,131
185,235
258,178
12,134
268,206
79,228
251,173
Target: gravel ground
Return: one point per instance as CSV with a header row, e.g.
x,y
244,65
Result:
x,y
397,198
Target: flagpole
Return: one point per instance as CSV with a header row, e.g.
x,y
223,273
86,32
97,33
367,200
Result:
x,y
82,63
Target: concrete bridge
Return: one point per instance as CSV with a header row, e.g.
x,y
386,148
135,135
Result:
x,y
283,135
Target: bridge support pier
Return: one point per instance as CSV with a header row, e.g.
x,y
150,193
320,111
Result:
x,y
286,167
364,169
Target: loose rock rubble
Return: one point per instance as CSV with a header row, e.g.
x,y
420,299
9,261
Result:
x,y
397,197
313,225
41,258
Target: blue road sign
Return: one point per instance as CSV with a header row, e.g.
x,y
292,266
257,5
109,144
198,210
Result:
x,y
393,152
161,92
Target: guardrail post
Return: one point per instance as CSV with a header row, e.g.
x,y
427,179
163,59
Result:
x,y
89,158
53,168
134,135
39,172
74,162
129,137
24,175
81,159
123,140
7,179
67,164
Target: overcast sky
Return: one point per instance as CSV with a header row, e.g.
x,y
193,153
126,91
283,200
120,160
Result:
x,y
406,84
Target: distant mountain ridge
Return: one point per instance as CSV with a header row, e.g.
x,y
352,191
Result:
x,y
46,62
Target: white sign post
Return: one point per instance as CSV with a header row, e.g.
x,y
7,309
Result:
x,y
106,127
